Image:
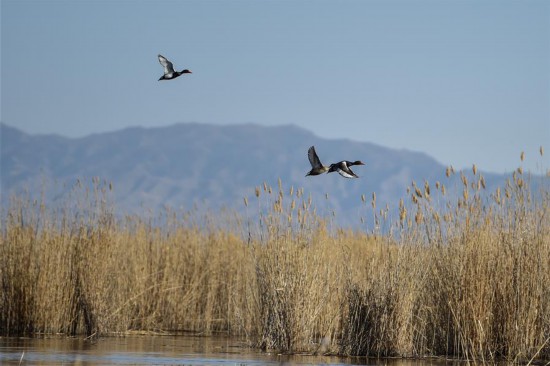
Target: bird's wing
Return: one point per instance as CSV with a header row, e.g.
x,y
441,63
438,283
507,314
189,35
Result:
x,y
346,174
345,171
313,158
168,67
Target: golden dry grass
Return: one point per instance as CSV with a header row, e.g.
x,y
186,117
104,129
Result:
x,y
467,277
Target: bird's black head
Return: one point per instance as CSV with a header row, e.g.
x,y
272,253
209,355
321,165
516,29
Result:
x,y
356,162
186,72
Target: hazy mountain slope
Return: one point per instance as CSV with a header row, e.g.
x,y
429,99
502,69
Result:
x,y
210,165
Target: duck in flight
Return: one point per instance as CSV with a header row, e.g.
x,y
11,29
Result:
x,y
169,72
343,168
316,166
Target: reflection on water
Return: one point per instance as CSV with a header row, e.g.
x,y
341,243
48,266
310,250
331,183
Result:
x,y
158,350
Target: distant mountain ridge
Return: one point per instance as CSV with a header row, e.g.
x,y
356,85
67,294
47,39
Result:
x,y
212,165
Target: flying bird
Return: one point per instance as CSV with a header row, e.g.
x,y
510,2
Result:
x,y
316,166
169,72
343,168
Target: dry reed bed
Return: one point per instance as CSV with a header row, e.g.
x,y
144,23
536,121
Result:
x,y
467,277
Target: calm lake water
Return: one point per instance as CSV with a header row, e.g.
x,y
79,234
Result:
x,y
162,350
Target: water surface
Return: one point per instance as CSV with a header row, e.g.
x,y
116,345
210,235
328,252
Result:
x,y
162,350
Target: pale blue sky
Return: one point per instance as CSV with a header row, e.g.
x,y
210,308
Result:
x,y
464,81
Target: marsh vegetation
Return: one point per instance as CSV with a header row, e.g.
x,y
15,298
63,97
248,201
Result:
x,y
465,277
